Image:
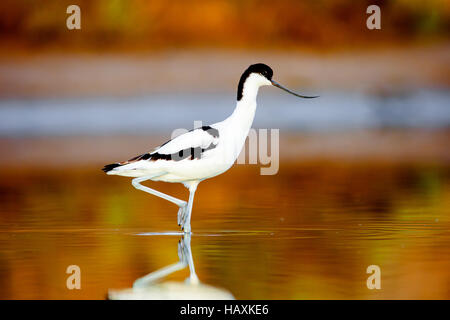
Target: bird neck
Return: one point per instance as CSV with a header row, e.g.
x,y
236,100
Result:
x,y
244,113
248,89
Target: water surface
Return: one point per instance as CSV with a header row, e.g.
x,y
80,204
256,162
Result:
x,y
309,232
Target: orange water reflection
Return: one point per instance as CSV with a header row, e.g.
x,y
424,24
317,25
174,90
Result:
x,y
309,232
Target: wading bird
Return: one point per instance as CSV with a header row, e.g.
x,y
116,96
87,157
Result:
x,y
201,153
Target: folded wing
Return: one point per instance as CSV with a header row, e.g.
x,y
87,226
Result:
x,y
191,145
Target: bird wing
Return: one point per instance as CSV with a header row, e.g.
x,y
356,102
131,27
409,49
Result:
x,y
202,137
190,145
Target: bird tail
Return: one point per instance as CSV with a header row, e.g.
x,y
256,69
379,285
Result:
x,y
109,167
132,168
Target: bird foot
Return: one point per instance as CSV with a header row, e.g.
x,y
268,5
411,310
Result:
x,y
183,217
182,214
186,228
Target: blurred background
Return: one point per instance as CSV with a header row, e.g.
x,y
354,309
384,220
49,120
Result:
x,y
364,170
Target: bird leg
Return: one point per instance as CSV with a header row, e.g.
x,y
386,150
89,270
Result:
x,y
185,208
181,214
136,182
186,221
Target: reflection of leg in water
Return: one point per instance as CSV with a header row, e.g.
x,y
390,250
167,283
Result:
x,y
152,286
185,256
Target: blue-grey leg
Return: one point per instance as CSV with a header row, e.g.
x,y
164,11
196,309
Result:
x,y
186,220
136,182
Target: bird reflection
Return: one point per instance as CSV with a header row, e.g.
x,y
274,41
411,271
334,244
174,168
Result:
x,y
152,286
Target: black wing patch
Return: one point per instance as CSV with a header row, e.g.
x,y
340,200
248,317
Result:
x,y
192,153
212,131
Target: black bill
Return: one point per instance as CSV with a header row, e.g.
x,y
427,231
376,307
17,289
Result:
x,y
276,84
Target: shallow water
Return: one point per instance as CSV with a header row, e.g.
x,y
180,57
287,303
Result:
x,y
308,232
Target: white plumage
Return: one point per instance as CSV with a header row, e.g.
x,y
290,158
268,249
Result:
x,y
203,152
179,167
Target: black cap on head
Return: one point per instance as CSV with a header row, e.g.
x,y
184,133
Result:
x,y
265,71
260,68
